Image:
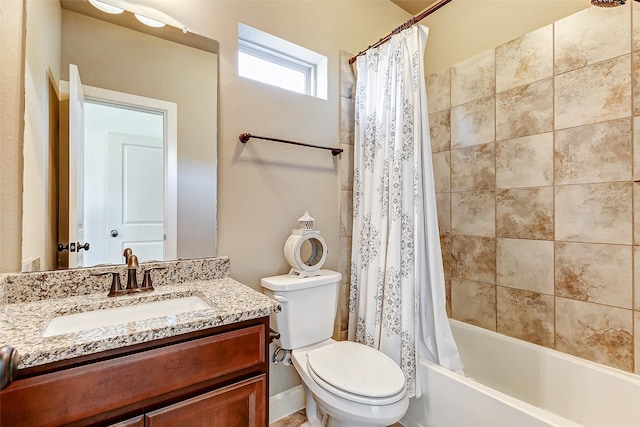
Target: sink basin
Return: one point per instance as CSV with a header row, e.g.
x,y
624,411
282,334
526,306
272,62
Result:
x,y
118,315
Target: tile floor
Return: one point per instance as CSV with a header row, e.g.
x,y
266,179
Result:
x,y
296,420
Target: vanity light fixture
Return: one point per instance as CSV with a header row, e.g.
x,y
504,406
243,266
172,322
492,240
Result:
x,y
148,21
105,7
144,14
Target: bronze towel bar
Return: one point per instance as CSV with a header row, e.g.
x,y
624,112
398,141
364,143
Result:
x,y
245,137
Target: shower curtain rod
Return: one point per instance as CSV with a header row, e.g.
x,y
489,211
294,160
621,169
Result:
x,y
419,17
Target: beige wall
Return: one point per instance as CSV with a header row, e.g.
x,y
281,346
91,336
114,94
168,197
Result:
x,y
11,130
131,62
536,165
464,28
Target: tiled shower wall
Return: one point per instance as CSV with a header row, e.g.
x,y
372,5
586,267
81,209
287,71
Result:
x,y
347,103
536,181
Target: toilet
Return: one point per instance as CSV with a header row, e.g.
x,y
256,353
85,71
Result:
x,y
346,384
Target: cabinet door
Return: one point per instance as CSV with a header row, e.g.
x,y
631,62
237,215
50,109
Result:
x,y
238,405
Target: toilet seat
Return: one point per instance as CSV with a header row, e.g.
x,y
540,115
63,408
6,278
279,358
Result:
x,y
363,374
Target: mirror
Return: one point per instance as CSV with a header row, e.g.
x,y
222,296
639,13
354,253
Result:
x,y
117,53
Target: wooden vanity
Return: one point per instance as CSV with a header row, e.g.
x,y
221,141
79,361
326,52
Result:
x,y
216,377
203,368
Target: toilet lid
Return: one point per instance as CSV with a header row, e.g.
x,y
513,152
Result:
x,y
357,369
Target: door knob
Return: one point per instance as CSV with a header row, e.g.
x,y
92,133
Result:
x,y
81,246
114,233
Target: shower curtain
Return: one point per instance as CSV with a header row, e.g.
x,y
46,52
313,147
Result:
x,y
397,295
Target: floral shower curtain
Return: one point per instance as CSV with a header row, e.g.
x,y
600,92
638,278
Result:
x,y
397,297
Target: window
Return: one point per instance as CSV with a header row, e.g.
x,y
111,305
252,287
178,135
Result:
x,y
272,60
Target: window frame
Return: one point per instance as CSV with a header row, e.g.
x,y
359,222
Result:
x,y
279,52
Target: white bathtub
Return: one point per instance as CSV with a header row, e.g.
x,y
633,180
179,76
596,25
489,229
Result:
x,y
512,383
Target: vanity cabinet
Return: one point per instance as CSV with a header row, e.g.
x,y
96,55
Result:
x,y
217,377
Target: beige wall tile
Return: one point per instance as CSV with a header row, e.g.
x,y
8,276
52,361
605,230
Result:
x,y
346,213
525,315
635,77
347,117
445,246
473,123
474,303
440,130
525,110
637,341
525,264
636,275
595,332
592,35
347,76
473,213
473,258
595,273
473,78
447,285
472,168
344,264
346,167
636,213
635,27
599,152
443,204
525,213
525,162
636,147
442,171
439,90
593,94
343,306
598,213
524,60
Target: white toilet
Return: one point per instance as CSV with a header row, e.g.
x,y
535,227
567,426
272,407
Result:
x,y
346,384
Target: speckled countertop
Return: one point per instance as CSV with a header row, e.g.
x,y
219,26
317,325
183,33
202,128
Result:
x,y
23,318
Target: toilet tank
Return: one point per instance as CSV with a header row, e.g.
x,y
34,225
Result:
x,y
308,307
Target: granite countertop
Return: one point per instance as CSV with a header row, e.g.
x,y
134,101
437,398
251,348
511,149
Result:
x,y
22,322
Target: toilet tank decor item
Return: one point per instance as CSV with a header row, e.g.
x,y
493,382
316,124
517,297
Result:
x,y
305,249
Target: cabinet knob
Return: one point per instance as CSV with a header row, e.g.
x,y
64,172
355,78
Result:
x,y
8,365
114,233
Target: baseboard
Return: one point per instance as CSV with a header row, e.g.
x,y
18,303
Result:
x,y
286,403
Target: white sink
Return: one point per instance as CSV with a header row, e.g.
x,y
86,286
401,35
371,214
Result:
x,y
118,315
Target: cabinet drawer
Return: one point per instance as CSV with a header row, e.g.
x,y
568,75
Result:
x,y
128,381
237,405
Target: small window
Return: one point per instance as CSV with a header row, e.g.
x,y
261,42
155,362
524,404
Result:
x,y
272,60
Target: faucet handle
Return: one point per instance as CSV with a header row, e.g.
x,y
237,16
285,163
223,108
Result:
x,y
146,280
116,286
127,253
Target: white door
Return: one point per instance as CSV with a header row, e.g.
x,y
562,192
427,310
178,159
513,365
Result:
x,y
135,206
76,170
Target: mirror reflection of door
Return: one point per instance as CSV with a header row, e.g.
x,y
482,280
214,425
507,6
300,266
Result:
x,y
123,198
126,196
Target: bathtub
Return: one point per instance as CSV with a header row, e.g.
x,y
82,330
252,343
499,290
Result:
x,y
512,383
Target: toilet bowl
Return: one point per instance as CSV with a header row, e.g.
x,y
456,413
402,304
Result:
x,y
346,384
355,400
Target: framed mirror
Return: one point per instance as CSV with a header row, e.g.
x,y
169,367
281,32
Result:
x,y
117,56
